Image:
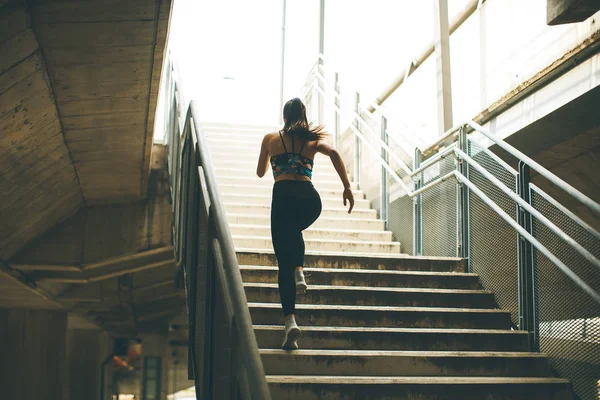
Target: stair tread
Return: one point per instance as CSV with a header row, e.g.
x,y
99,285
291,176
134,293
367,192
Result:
x,y
311,252
268,197
267,217
382,308
385,256
403,353
378,242
420,331
363,271
370,211
312,229
414,380
375,289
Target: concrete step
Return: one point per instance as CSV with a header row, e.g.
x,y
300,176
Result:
x,y
403,363
340,246
384,317
251,172
340,338
229,127
327,202
265,209
368,278
253,136
268,190
322,223
233,162
417,388
312,233
382,296
345,261
267,182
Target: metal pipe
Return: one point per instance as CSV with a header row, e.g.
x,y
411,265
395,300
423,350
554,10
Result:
x,y
556,230
566,270
280,113
565,210
438,157
538,168
384,193
321,100
427,51
382,161
336,102
433,184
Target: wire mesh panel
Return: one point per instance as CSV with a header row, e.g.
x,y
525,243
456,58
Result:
x,y
568,318
440,211
400,213
493,242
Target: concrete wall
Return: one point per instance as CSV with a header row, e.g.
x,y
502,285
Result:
x,y
86,351
33,345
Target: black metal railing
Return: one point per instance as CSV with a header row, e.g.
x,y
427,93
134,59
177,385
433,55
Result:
x,y
224,360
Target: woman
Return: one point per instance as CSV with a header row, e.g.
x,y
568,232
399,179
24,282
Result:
x,y
295,204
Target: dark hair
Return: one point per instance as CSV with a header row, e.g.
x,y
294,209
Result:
x,y
294,114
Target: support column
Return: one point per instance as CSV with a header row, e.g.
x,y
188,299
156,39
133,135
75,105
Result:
x,y
442,58
321,101
34,354
280,111
86,350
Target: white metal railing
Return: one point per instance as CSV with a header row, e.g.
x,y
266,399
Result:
x,y
449,144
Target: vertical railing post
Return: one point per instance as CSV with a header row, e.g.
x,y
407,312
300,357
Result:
x,y
320,69
336,87
357,144
526,262
464,222
384,193
418,208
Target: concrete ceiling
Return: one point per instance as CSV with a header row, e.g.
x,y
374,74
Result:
x,y
79,84
78,88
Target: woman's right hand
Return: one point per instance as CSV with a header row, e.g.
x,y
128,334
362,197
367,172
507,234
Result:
x,y
348,196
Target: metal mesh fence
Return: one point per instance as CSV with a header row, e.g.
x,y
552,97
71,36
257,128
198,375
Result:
x,y
401,211
440,211
568,318
493,242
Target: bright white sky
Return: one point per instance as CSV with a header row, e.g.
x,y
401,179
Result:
x,y
229,51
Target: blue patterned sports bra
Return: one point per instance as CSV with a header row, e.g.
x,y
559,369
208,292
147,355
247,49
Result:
x,y
291,163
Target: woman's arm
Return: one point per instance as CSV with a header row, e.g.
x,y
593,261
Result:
x,y
338,164
263,158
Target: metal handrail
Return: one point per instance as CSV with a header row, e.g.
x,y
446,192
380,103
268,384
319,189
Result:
x,y
562,266
452,136
591,204
522,203
249,349
566,211
200,220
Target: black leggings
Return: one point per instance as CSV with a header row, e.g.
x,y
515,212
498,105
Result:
x,y
295,206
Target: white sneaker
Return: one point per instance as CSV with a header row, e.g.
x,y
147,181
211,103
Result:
x,y
292,333
301,285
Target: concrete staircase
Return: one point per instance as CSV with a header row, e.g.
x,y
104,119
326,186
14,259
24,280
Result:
x,y
376,324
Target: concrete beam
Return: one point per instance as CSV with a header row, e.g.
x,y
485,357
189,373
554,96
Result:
x,y
569,11
106,269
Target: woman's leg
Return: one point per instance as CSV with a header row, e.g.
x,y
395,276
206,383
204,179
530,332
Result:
x,y
281,231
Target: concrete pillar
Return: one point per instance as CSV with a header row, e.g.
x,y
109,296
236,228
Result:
x,y
33,361
442,57
86,350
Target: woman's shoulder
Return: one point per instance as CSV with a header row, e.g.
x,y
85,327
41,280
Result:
x,y
272,135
